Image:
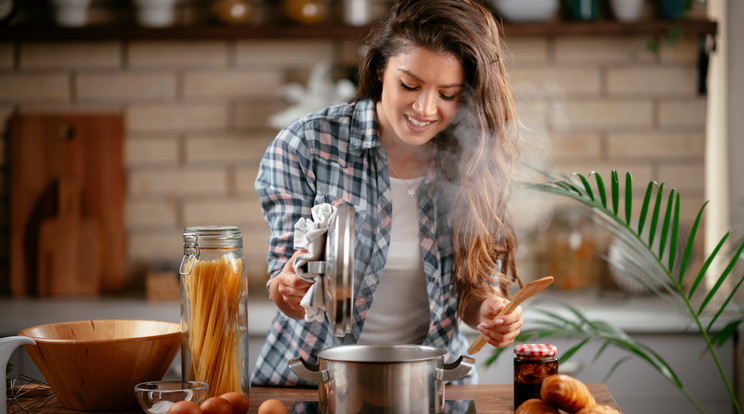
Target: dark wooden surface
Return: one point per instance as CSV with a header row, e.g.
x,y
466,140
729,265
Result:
x,y
489,398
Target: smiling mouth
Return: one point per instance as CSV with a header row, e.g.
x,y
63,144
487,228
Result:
x,y
418,123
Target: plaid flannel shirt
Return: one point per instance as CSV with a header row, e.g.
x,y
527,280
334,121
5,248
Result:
x,y
335,156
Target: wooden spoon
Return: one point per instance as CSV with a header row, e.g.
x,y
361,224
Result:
x,y
525,293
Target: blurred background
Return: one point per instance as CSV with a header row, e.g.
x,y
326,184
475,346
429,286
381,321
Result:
x,y
124,121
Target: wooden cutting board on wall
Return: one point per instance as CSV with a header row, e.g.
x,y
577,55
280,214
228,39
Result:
x,y
80,155
69,248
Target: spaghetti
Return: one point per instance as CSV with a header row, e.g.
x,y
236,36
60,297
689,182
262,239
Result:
x,y
214,290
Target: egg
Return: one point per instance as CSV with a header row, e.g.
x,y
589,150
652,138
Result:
x,y
216,405
185,407
239,402
272,407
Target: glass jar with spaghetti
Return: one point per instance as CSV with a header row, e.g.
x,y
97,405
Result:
x,y
532,364
214,309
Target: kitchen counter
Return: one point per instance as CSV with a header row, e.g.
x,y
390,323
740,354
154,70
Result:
x,y
642,314
634,385
489,399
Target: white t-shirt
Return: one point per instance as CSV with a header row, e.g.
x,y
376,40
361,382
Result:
x,y
400,309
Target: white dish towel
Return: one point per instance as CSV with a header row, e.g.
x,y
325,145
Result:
x,y
310,234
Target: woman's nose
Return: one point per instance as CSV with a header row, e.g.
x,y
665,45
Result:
x,y
425,104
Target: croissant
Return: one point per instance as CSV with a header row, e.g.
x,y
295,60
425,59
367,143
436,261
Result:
x,y
566,393
599,409
536,406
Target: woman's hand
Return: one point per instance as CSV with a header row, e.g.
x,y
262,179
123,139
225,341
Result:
x,y
504,330
287,289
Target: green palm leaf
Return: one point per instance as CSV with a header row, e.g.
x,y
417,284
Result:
x,y
665,227
655,215
587,186
615,366
600,188
727,332
706,265
690,243
628,197
615,184
675,233
644,209
566,355
720,281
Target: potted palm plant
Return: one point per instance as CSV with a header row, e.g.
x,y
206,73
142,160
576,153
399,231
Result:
x,y
652,265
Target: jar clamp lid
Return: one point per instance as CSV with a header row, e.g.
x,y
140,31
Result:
x,y
535,350
196,238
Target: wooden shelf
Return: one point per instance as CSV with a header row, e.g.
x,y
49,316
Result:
x,y
337,32
702,29
50,33
692,27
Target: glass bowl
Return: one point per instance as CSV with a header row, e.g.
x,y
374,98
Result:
x,y
156,397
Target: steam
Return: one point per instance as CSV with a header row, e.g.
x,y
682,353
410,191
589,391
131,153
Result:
x,y
541,111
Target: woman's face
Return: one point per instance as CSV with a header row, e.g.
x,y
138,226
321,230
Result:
x,y
420,94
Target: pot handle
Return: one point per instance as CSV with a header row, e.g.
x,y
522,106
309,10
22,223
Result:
x,y
457,369
307,371
7,346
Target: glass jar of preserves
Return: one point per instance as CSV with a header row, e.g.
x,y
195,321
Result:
x,y
214,309
532,364
306,12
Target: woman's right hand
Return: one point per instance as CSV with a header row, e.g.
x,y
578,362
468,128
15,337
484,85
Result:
x,y
287,289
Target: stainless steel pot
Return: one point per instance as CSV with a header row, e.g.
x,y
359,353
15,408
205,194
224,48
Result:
x,y
406,379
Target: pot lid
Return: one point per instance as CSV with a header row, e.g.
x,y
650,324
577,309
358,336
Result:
x,y
339,271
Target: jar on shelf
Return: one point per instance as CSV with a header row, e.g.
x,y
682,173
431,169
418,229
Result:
x,y
357,12
532,364
214,309
232,12
306,12
572,250
582,10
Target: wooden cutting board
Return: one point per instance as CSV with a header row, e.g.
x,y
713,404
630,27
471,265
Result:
x,y
69,248
86,148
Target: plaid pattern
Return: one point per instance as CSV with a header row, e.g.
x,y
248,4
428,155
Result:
x,y
335,156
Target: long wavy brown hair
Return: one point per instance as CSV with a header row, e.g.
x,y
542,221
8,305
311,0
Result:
x,y
477,151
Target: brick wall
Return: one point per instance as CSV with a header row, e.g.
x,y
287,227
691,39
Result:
x,y
196,119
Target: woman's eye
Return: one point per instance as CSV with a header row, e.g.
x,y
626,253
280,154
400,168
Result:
x,y
448,97
406,87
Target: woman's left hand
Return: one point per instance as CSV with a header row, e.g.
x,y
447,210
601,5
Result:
x,y
504,330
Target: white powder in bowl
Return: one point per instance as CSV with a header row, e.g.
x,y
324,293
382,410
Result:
x,y
160,407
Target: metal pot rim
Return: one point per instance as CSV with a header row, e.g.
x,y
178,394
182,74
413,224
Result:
x,y
381,353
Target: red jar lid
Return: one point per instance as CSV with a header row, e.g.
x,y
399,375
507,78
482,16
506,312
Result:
x,y
536,349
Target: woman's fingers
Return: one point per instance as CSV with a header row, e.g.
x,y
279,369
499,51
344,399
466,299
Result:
x,y
293,289
291,286
503,330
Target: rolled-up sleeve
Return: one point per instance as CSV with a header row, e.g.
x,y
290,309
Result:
x,y
285,185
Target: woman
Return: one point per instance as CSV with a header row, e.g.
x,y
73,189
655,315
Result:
x,y
424,154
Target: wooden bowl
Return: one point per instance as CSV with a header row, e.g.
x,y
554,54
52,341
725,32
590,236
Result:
x,y
94,365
